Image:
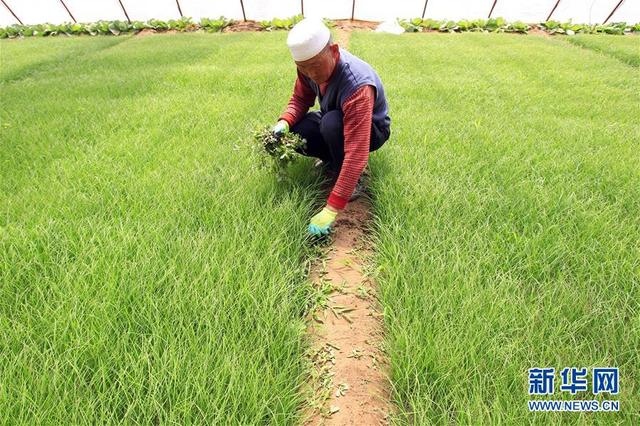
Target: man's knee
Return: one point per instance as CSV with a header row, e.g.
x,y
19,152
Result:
x,y
331,126
308,126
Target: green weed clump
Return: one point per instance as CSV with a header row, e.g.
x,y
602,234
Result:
x,y
277,153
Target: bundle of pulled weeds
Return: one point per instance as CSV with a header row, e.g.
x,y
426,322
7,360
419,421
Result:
x,y
275,152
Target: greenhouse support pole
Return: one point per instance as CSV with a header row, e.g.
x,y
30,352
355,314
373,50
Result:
x,y
243,14
353,8
492,7
69,12
179,10
11,11
553,10
613,11
425,8
124,10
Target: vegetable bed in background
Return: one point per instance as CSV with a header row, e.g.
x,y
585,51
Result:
x,y
507,206
150,272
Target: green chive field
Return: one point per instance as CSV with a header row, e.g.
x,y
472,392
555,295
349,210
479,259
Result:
x,y
150,273
627,49
508,222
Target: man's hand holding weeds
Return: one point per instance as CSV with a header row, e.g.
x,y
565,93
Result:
x,y
280,129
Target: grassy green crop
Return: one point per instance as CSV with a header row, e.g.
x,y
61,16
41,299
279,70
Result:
x,y
507,206
149,272
626,49
23,57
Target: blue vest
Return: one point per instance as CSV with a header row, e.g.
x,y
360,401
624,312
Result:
x,y
350,74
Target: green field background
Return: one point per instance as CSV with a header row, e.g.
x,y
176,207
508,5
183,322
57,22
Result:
x,y
150,273
626,49
508,218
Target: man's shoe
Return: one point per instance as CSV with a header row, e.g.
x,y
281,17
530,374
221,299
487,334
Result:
x,y
359,189
326,169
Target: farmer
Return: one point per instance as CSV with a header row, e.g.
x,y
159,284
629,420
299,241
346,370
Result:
x,y
351,122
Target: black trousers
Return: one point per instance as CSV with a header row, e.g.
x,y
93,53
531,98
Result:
x,y
325,136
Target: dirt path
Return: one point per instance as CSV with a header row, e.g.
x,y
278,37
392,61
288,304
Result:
x,y
538,32
344,27
350,385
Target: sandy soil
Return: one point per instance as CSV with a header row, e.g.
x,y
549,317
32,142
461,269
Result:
x,y
350,385
241,26
538,32
356,24
149,31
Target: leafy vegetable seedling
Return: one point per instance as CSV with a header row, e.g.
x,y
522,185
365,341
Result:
x,y
282,150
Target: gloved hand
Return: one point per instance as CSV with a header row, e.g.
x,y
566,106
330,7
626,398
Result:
x,y
321,223
280,128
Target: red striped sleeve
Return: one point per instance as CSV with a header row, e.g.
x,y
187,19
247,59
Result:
x,y
358,111
302,99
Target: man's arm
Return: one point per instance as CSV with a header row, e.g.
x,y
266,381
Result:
x,y
358,112
302,99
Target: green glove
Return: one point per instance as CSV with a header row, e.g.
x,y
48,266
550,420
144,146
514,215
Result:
x,y
321,223
280,128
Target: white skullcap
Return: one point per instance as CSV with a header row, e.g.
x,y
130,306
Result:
x,y
307,38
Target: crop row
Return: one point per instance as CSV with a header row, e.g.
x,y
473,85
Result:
x,y
114,27
218,24
118,27
501,25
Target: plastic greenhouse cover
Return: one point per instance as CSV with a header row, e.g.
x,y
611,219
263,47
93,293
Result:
x,y
579,11
629,11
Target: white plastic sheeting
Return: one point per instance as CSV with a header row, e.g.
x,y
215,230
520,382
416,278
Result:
x,y
585,11
333,9
458,9
37,11
211,9
86,11
579,11
629,11
5,17
524,10
142,10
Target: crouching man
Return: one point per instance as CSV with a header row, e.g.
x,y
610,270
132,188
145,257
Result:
x,y
353,117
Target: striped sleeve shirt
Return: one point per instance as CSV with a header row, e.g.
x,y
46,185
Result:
x,y
357,111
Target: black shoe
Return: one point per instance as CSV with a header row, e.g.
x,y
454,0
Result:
x,y
359,189
327,169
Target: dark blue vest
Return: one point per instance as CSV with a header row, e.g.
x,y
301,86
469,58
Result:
x,y
350,74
